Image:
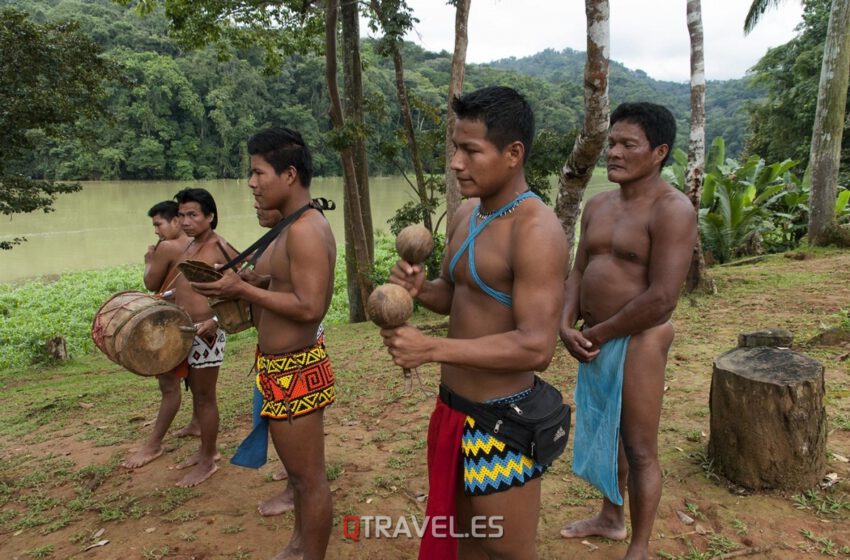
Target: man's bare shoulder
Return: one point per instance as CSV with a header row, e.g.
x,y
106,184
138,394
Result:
x,y
312,227
600,199
171,248
536,221
672,200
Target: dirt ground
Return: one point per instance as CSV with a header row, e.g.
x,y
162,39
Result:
x,y
63,433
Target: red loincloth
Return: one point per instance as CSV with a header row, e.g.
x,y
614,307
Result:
x,y
444,455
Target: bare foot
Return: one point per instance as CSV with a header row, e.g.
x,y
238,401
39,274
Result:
x,y
280,475
142,457
596,526
200,473
283,502
189,430
194,460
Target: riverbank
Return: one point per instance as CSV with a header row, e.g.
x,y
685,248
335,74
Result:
x,y
65,429
37,310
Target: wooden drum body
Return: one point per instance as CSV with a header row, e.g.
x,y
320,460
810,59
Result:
x,y
146,335
234,315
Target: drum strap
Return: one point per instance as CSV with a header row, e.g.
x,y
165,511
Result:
x,y
260,245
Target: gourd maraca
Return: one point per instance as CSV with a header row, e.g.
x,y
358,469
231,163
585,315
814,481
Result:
x,y
390,306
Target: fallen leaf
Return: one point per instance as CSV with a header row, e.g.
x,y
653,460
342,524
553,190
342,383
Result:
x,y
684,518
700,529
829,481
368,500
18,532
840,458
679,449
589,545
150,529
97,544
86,405
98,534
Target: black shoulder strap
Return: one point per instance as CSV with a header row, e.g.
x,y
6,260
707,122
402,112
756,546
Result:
x,y
260,245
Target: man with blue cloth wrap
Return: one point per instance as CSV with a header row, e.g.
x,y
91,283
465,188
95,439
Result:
x,y
633,255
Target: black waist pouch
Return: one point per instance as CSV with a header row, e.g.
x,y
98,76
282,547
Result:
x,y
538,425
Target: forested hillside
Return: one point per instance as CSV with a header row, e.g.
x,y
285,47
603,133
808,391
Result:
x,y
180,114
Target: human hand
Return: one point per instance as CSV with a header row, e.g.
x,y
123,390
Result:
x,y
578,345
206,329
407,345
411,277
229,286
149,253
250,276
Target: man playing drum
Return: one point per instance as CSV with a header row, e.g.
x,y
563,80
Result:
x,y
198,218
166,225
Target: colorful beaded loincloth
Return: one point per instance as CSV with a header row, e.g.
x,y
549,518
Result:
x,y
296,383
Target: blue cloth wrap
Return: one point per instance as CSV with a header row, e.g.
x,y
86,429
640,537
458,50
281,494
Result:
x,y
599,401
254,449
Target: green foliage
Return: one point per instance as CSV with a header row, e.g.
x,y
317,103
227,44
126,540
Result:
x,y
50,75
547,156
37,311
185,114
781,124
751,206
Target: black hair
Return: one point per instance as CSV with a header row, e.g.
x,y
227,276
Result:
x,y
167,209
657,122
503,110
283,147
204,200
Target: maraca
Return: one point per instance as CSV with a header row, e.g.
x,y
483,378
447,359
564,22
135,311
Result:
x,y
414,244
390,306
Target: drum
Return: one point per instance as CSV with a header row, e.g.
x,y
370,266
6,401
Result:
x,y
234,315
146,335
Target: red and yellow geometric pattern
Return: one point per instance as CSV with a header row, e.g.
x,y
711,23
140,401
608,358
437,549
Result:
x,y
296,383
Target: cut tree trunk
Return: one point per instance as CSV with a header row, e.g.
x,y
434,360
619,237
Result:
x,y
768,422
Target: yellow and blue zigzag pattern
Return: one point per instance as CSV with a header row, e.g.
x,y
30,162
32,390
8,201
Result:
x,y
490,466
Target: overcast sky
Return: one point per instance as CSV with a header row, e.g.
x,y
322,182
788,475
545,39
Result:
x,y
648,35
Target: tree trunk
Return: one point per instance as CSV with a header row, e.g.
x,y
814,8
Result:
x,y
455,88
359,283
698,278
406,115
825,154
768,421
581,162
352,71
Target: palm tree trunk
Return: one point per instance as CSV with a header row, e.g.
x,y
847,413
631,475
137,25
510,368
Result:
x,y
455,88
824,159
698,278
359,284
578,169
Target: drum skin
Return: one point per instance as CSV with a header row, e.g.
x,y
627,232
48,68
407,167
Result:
x,y
146,335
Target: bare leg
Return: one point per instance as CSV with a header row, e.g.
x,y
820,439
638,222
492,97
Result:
x,y
192,429
301,446
169,386
278,504
280,475
643,390
202,381
519,509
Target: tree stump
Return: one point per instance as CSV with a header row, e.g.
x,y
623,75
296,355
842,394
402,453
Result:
x,y
57,349
768,422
